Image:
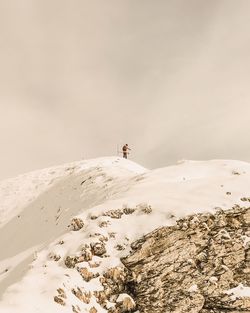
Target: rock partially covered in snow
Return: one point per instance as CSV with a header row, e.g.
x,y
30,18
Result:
x,y
98,248
187,269
77,224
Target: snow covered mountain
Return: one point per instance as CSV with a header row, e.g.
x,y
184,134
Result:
x,y
63,228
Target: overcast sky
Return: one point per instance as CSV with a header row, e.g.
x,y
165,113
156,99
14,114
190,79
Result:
x,y
169,77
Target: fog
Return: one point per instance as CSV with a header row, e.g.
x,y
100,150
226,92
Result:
x,y
168,77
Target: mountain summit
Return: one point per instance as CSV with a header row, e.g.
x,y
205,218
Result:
x,y
65,231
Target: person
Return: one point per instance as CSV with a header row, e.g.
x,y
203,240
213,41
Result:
x,y
125,151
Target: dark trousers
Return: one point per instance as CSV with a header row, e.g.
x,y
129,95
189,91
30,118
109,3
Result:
x,y
125,155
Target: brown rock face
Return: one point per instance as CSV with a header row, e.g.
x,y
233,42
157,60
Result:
x,y
190,266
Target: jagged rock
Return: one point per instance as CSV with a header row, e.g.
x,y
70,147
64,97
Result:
x,y
101,298
112,235
61,293
120,247
113,282
86,254
55,257
76,309
77,224
114,213
117,274
104,224
103,238
86,274
125,303
144,208
81,295
98,248
71,261
206,251
93,217
128,211
59,300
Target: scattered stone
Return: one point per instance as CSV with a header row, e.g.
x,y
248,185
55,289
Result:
x,y
93,217
81,295
59,300
93,310
62,293
228,193
235,172
120,247
55,257
112,235
77,224
61,297
145,208
244,199
101,298
114,213
103,238
86,254
98,248
86,274
104,224
128,211
76,309
71,261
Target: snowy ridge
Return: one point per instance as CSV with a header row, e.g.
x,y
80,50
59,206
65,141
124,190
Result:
x,y
17,192
117,201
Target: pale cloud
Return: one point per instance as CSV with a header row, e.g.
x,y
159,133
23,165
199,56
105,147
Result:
x,y
169,77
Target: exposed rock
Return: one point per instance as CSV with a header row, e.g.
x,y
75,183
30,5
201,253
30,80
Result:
x,y
55,257
86,254
81,295
125,303
98,248
112,234
93,217
120,247
61,293
77,224
60,298
114,213
76,309
189,267
86,274
104,224
128,211
145,208
71,261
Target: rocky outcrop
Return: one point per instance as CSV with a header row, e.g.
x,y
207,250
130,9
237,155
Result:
x,y
192,266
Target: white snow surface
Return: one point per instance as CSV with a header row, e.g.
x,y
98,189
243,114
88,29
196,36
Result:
x,y
36,209
240,291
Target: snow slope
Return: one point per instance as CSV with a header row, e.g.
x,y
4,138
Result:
x,y
37,208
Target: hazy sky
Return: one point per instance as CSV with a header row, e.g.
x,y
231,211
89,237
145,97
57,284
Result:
x,y
169,77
